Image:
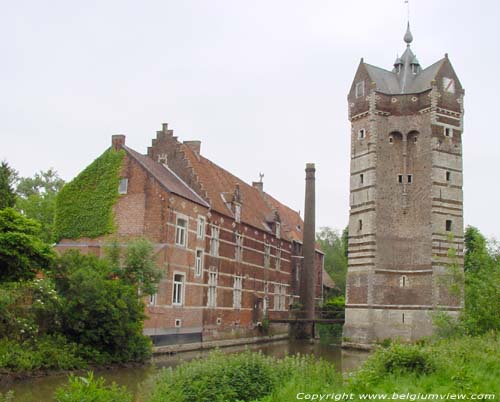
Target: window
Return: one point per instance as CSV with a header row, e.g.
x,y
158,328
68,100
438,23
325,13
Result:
x,y
276,296
123,187
177,293
267,255
448,225
400,178
414,68
391,139
283,298
181,231
198,264
361,133
200,229
237,290
278,230
360,89
266,297
152,300
178,323
403,281
212,289
237,213
448,132
238,252
278,259
214,241
415,139
361,178
448,176
410,179
360,225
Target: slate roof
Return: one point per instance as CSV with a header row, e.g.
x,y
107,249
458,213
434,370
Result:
x,y
166,177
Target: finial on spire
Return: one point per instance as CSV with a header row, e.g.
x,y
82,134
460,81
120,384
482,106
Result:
x,y
408,38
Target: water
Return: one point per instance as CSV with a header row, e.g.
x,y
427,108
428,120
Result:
x,y
42,389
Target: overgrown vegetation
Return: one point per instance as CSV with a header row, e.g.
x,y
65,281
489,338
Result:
x,y
84,206
334,245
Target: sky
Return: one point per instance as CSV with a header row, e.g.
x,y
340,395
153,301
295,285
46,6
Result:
x,y
262,83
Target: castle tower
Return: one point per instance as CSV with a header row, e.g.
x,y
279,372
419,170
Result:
x,y
406,202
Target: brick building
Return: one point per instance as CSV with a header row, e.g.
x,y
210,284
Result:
x,y
231,252
406,202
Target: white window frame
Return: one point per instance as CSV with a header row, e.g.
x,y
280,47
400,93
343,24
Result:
x,y
359,89
198,261
278,259
238,250
212,289
214,240
181,232
276,297
267,255
152,299
178,323
282,297
178,289
237,292
278,230
123,186
265,300
200,227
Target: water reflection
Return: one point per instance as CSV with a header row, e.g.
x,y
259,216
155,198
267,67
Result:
x,y
42,389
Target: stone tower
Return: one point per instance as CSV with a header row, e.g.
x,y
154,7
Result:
x,y
406,203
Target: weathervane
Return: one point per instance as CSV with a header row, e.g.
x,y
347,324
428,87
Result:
x,y
261,176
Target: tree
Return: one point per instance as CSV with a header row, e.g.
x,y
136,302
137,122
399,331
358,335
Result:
x,y
8,177
476,250
37,199
334,245
138,265
99,311
22,252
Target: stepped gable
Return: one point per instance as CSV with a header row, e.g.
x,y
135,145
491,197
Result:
x,y
256,207
165,176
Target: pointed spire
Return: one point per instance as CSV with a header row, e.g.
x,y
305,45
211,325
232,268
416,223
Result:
x,y
408,38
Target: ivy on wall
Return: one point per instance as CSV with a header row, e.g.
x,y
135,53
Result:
x,y
84,206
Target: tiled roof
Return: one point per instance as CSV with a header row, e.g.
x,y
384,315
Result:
x,y
257,208
166,177
328,281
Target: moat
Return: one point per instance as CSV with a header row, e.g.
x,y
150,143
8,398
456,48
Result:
x,y
42,389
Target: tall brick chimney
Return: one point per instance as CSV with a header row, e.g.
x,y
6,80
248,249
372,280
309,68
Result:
x,y
195,145
309,243
258,185
117,141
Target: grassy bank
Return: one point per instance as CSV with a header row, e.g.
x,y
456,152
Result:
x,y
465,365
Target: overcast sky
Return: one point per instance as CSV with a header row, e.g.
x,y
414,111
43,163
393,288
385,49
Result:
x,y
262,83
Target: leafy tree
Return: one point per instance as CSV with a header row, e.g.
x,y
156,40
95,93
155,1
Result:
x,y
138,265
22,252
99,312
37,199
8,177
334,245
476,250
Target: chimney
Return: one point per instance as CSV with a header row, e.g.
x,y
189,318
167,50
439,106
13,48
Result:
x,y
194,145
309,243
258,185
117,141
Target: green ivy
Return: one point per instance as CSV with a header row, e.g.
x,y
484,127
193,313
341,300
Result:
x,y
84,206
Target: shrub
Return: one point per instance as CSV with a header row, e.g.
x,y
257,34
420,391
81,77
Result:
x,y
89,389
8,397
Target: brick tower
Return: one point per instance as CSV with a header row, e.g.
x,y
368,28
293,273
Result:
x,y
406,209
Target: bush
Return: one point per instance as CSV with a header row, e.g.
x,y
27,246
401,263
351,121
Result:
x,y
47,353
8,397
89,389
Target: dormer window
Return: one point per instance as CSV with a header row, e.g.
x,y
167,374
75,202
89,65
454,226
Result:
x,y
237,213
414,68
278,230
360,89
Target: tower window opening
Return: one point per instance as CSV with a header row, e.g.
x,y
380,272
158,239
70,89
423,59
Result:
x,y
360,225
415,139
361,134
391,139
448,132
360,89
403,318
361,178
400,178
448,176
448,225
410,178
403,281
